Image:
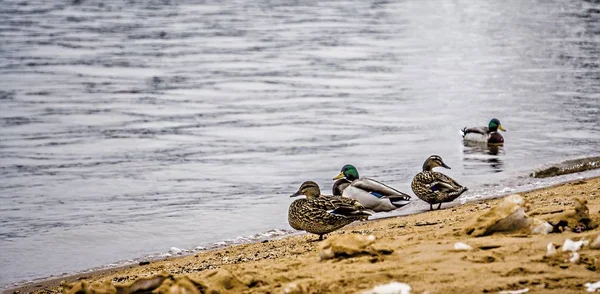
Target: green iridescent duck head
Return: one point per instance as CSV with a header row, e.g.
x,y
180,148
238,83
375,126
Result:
x,y
349,172
432,162
309,189
495,125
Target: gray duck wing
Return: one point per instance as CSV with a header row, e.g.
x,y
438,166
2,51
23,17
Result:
x,y
477,130
379,189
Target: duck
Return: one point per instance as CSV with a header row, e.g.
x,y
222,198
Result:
x,y
320,214
372,194
435,187
487,134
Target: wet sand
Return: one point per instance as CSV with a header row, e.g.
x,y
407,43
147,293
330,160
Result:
x,y
420,253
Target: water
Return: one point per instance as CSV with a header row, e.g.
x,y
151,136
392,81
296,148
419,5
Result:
x,y
129,127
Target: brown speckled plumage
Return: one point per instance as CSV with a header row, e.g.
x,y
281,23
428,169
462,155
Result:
x,y
435,187
319,214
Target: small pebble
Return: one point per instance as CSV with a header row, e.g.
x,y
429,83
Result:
x,y
574,257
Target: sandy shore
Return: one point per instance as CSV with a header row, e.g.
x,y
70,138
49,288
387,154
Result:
x,y
418,250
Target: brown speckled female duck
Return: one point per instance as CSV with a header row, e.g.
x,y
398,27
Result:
x,y
319,214
435,187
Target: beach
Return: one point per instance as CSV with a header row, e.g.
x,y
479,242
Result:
x,y
416,250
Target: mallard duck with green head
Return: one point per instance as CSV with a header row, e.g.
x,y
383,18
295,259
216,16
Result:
x,y
487,134
320,214
435,187
370,193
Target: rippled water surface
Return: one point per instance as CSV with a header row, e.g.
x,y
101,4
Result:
x,y
128,127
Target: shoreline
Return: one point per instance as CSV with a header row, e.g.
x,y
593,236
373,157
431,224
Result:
x,y
564,168
207,257
55,280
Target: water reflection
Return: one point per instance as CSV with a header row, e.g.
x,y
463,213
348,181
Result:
x,y
478,154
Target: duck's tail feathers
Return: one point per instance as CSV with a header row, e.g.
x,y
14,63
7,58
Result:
x,y
354,214
400,203
459,191
379,189
399,200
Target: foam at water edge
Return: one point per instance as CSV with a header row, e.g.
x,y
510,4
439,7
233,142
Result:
x,y
173,251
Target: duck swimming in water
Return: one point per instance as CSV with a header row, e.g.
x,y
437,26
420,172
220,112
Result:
x,y
319,214
435,187
370,193
487,134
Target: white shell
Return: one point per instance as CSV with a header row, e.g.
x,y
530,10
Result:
x,y
550,250
592,287
391,288
515,291
571,245
574,257
459,246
